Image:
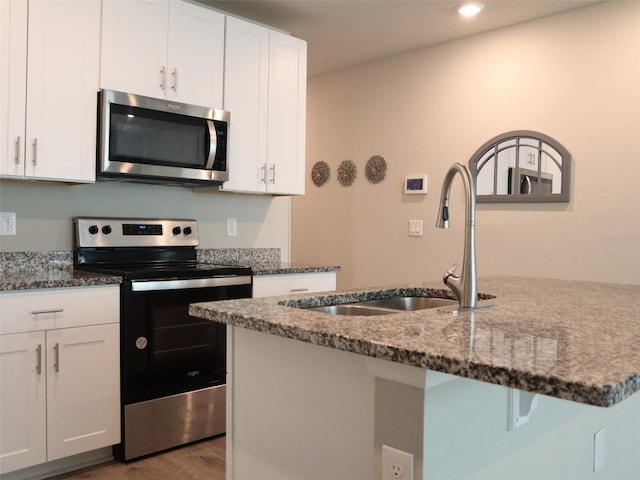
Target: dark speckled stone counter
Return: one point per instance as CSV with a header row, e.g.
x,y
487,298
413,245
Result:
x,y
572,340
33,270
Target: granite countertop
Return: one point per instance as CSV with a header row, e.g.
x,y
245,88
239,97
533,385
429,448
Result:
x,y
566,339
53,278
34,270
291,268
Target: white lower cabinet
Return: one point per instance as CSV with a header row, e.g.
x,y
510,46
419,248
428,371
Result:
x,y
59,387
23,405
288,284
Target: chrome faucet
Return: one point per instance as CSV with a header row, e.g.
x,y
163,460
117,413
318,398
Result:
x,y
465,286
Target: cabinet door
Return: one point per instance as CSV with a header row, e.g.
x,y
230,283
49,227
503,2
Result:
x,y
287,111
246,82
22,401
62,83
134,46
13,84
83,389
195,55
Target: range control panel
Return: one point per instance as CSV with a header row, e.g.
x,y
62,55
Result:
x,y
135,232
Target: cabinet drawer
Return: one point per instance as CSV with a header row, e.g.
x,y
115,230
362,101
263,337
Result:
x,y
46,309
271,285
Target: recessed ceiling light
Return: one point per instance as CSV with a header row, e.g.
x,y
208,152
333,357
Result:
x,y
470,9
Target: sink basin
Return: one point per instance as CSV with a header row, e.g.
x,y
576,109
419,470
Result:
x,y
351,309
385,306
410,303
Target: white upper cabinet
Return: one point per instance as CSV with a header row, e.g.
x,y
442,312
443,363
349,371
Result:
x,y
287,114
265,91
163,49
246,95
48,93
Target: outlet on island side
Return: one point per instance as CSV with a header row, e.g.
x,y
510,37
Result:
x,y
396,464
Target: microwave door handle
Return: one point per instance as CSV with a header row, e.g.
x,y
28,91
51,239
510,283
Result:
x,y
526,185
213,144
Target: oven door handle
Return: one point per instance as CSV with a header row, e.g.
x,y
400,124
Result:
x,y
173,284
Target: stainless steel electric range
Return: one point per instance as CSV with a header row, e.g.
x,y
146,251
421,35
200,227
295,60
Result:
x,y
173,366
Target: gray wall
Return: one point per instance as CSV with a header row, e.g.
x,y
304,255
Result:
x,y
44,213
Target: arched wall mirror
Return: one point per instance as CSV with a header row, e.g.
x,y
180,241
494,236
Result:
x,y
522,166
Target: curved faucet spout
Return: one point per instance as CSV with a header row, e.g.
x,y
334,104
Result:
x,y
465,285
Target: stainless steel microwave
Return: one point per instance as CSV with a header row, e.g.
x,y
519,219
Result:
x,y
145,139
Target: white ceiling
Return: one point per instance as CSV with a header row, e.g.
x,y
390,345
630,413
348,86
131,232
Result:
x,y
342,33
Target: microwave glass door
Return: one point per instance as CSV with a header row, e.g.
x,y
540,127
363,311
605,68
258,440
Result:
x,y
139,135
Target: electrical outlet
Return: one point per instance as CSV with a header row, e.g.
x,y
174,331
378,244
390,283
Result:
x,y
396,464
232,227
7,223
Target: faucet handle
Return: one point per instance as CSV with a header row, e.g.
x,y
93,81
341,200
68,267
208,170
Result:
x,y
450,273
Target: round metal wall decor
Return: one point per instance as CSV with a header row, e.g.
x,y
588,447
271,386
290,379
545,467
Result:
x,y
346,173
376,169
320,173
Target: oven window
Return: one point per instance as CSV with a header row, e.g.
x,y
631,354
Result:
x,y
166,351
139,135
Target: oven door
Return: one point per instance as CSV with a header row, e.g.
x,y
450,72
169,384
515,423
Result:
x,y
153,139
164,350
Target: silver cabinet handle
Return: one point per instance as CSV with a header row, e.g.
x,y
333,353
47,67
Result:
x,y
51,310
35,151
39,360
273,173
18,150
294,290
174,80
163,76
264,173
56,361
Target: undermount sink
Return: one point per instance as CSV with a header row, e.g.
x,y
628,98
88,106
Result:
x,y
411,303
351,309
385,306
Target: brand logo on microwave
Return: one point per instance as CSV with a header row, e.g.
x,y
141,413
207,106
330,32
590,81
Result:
x,y
193,373
173,106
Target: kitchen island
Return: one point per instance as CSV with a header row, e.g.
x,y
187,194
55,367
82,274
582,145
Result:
x,y
413,379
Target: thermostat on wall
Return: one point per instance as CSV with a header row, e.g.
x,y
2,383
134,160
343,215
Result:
x,y
415,184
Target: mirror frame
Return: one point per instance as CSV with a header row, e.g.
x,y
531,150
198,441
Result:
x,y
565,169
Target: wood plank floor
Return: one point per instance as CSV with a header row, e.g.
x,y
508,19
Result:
x,y
203,460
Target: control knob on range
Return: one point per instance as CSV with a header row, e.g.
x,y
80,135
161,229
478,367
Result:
x,y
176,230
187,230
93,229
106,229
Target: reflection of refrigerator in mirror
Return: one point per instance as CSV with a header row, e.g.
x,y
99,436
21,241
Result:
x,y
528,182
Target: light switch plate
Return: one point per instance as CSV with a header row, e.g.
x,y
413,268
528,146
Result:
x,y
415,228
